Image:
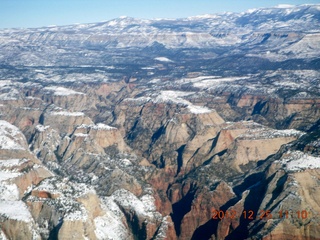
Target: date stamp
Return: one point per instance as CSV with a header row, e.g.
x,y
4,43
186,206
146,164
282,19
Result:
x,y
260,214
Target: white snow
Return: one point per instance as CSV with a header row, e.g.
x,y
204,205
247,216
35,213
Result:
x,y
47,185
129,201
99,126
10,136
143,207
81,135
61,91
110,225
103,126
163,229
268,133
176,97
6,175
16,210
4,83
77,215
198,109
297,161
41,128
139,99
2,235
125,162
213,81
13,94
9,163
163,59
148,201
64,113
9,192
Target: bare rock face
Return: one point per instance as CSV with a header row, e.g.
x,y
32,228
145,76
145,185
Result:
x,y
170,133
105,136
197,220
64,121
257,143
66,98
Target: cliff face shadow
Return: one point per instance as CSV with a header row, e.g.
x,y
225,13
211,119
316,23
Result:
x,y
206,230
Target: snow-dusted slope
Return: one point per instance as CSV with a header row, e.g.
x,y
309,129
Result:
x,y
258,31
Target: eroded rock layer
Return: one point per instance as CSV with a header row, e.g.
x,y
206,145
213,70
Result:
x,y
197,132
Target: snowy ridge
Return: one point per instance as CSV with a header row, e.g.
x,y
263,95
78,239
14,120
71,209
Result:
x,y
111,225
10,137
172,97
81,135
139,100
176,97
13,94
299,161
65,113
206,82
162,232
61,91
268,133
99,126
143,207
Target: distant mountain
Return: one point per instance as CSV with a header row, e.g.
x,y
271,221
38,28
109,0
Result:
x,y
280,33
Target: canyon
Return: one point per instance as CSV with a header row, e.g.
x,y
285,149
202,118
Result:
x,y
163,129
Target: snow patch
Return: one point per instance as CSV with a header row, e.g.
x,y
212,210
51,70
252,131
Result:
x,y
10,136
268,133
99,126
16,210
81,135
110,225
9,192
143,207
163,59
41,128
213,81
64,113
77,215
2,235
298,161
176,97
9,163
61,91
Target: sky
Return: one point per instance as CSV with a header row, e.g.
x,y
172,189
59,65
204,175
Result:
x,y
38,13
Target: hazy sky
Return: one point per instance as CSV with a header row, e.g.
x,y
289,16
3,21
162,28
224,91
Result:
x,y
37,13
